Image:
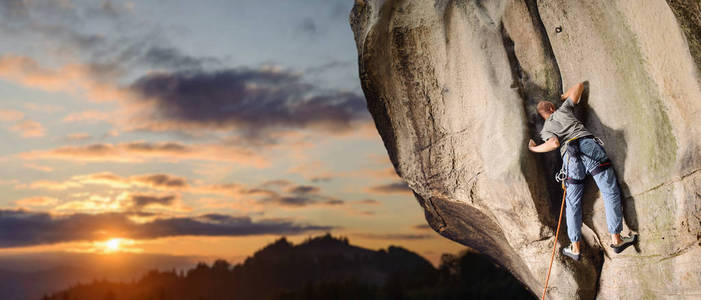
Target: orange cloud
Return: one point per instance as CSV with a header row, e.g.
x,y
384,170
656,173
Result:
x,y
38,167
47,108
49,185
37,201
124,202
10,115
368,201
73,78
28,129
154,181
79,136
94,204
142,151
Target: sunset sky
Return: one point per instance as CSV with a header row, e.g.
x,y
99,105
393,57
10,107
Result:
x,y
191,128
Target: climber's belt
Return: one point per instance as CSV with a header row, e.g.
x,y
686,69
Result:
x,y
571,180
601,167
573,151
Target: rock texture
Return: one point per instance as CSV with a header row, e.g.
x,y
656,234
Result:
x,y
452,88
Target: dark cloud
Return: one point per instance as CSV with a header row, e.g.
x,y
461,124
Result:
x,y
291,200
329,66
307,26
25,228
253,100
368,201
303,189
172,58
156,147
13,9
421,227
334,202
139,201
400,187
67,28
162,180
321,178
300,199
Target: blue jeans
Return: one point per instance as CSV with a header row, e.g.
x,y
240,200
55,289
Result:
x,y
578,168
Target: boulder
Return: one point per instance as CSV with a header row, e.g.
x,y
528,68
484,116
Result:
x,y
452,88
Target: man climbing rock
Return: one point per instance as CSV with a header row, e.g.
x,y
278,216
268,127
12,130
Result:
x,y
582,154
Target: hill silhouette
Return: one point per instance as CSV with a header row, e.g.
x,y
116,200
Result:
x,y
323,267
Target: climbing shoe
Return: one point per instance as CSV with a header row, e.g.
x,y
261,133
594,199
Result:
x,y
568,252
626,242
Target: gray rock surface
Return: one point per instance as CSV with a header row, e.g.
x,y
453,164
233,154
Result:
x,y
452,88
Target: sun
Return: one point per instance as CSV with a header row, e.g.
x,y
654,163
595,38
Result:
x,y
113,245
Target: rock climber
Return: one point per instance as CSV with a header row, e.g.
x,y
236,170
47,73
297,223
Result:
x,y
582,154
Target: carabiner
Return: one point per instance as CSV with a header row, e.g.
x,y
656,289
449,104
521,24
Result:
x,y
560,176
598,141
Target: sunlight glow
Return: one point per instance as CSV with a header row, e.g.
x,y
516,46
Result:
x,y
112,245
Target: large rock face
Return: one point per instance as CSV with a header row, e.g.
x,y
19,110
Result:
x,y
452,87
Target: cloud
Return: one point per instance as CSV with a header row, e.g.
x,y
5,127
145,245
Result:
x,y
94,204
154,181
293,196
88,115
400,187
172,58
422,226
289,200
160,180
393,236
303,189
49,185
26,228
78,136
140,151
73,78
28,128
139,201
47,108
299,200
315,171
180,92
368,201
13,9
39,167
252,100
333,201
329,66
37,201
321,178
307,26
10,115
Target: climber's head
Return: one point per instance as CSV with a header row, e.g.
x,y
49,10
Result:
x,y
545,109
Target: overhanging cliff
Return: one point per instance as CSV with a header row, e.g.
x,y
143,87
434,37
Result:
x,y
452,88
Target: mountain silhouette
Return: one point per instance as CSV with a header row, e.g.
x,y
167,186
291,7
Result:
x,y
323,267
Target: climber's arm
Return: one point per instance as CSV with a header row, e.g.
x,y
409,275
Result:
x,y
575,92
549,145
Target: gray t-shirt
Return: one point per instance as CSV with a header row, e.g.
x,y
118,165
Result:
x,y
563,125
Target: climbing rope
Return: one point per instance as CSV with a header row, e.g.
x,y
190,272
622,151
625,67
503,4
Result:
x,y
557,234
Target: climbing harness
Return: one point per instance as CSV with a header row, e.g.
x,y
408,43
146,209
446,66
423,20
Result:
x,y
574,151
562,177
557,235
